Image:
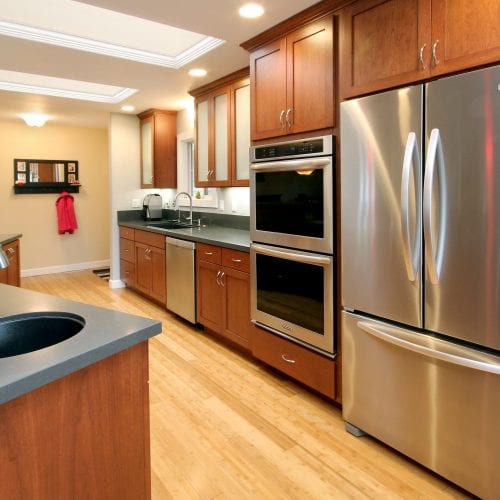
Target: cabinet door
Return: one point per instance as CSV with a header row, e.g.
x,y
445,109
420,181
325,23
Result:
x,y
310,77
380,44
219,164
268,90
209,295
127,273
158,289
466,34
236,324
12,274
202,153
143,268
165,150
240,133
147,159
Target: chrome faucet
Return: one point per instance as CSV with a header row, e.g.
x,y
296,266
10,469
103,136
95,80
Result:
x,y
4,260
190,218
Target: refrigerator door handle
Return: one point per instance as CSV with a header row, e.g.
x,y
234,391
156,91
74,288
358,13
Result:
x,y
434,251
433,348
411,159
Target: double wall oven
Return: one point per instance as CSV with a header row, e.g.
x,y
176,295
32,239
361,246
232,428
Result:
x,y
292,232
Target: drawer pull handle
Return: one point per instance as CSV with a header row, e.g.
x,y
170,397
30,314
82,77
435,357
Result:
x,y
288,360
209,253
236,260
11,251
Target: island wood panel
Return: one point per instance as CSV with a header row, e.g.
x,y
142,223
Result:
x,y
83,436
215,413
12,274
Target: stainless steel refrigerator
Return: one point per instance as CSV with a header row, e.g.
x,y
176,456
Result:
x,y
420,238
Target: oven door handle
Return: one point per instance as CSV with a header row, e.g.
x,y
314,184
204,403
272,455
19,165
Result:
x,y
311,164
298,257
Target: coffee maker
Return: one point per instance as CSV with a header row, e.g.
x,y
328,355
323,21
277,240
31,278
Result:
x,y
152,207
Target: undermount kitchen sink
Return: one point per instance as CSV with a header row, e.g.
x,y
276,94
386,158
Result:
x,y
24,333
171,224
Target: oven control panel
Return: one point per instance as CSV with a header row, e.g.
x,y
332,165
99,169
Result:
x,y
318,146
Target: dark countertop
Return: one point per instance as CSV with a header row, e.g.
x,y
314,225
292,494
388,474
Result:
x,y
237,239
105,333
9,238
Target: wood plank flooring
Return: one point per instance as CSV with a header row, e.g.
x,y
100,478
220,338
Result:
x,y
226,427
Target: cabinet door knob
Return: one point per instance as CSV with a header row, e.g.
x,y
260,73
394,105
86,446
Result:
x,y
282,121
421,55
222,278
217,278
288,360
287,117
11,251
434,52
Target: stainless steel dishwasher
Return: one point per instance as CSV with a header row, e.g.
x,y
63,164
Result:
x,y
181,285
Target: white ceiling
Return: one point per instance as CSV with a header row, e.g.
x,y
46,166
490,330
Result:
x,y
157,86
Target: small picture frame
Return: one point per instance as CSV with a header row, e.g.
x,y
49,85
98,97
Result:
x,y
21,177
21,166
71,167
71,178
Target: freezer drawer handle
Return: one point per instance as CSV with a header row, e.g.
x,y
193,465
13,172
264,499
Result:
x,y
434,252
411,158
288,360
436,349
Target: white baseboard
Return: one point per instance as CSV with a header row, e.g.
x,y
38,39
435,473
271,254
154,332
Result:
x,y
116,284
80,266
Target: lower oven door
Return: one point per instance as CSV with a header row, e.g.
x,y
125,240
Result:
x,y
292,295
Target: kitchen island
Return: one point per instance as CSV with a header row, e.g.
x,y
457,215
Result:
x,y
74,417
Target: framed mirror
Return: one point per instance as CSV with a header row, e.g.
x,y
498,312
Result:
x,y
45,176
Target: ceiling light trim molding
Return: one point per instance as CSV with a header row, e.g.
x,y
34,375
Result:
x,y
108,49
71,94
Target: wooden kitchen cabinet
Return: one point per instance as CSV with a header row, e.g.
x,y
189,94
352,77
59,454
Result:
x,y
389,43
304,365
158,148
222,134
12,274
150,266
292,82
127,256
223,292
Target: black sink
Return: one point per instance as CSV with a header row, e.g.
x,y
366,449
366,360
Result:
x,y
30,332
170,224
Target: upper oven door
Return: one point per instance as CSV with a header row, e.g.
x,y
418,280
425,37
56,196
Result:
x,y
291,203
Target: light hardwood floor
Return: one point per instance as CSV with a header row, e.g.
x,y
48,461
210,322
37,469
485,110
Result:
x,y
226,427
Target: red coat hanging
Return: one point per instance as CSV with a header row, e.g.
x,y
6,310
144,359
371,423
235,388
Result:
x,y
66,218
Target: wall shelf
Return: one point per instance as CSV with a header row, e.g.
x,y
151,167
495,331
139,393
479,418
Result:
x,y
46,187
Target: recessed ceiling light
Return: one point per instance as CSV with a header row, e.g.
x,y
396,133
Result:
x,y
34,119
198,72
128,108
251,10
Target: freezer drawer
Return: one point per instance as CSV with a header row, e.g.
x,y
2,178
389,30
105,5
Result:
x,y
434,401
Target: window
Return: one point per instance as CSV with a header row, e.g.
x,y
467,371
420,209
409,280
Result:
x,y
202,197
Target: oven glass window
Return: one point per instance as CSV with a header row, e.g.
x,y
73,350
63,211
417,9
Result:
x,y
290,202
292,291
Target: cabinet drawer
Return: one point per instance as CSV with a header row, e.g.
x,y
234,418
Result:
x,y
209,253
127,272
126,232
150,239
304,365
127,250
236,260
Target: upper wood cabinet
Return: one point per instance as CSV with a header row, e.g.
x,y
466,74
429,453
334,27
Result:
x,y
222,131
292,79
388,43
158,148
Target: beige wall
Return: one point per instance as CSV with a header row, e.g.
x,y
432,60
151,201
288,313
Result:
x,y
42,248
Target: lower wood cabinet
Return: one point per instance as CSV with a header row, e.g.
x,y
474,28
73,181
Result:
x,y
142,262
223,292
12,274
304,365
150,276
